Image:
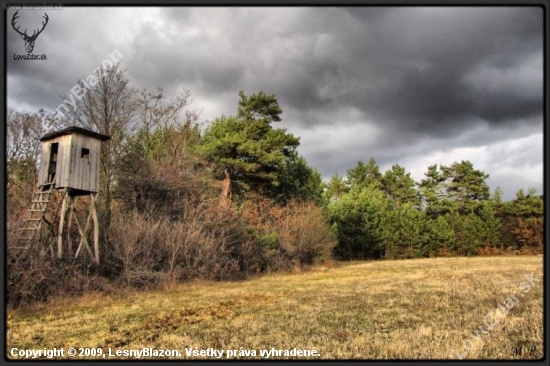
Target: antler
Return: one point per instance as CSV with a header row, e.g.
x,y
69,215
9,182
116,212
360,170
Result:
x,y
15,16
43,26
34,34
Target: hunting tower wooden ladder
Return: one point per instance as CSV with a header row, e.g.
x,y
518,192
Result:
x,y
32,226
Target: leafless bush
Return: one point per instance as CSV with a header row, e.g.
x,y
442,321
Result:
x,y
304,233
203,243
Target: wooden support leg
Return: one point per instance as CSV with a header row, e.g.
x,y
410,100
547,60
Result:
x,y
61,222
96,227
50,229
69,224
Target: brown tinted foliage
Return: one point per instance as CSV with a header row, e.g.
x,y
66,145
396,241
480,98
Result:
x,y
490,251
296,233
202,244
529,233
216,243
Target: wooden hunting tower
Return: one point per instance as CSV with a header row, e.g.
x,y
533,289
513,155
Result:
x,y
70,165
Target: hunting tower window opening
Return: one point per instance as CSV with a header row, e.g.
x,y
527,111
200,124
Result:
x,y
85,153
52,166
55,149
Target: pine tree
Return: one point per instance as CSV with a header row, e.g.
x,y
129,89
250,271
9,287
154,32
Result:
x,y
526,205
400,187
248,147
404,232
358,219
298,180
335,188
465,186
433,192
364,175
491,222
441,237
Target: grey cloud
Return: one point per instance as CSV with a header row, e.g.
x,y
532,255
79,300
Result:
x,y
396,83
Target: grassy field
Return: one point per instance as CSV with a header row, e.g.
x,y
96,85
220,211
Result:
x,y
408,309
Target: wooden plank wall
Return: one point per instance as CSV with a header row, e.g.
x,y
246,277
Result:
x,y
84,172
62,159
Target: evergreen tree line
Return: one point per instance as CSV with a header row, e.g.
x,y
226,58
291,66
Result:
x,y
449,212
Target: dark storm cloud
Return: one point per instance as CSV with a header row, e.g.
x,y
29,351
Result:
x,y
181,51
436,59
422,69
427,70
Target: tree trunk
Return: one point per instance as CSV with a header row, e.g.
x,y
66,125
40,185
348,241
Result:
x,y
225,197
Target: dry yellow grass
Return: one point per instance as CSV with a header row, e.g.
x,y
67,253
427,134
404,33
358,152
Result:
x,y
408,309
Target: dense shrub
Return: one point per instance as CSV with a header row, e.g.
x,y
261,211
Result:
x,y
204,243
212,243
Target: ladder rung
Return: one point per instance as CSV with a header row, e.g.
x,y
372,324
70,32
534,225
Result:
x,y
40,202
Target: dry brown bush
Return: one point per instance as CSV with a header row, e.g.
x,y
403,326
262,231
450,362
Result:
x,y
487,251
294,234
304,233
529,233
204,243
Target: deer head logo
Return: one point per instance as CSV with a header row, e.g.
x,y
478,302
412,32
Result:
x,y
29,40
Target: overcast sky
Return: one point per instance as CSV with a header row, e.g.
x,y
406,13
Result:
x,y
409,85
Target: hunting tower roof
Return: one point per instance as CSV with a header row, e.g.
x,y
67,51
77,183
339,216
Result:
x,y
74,129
